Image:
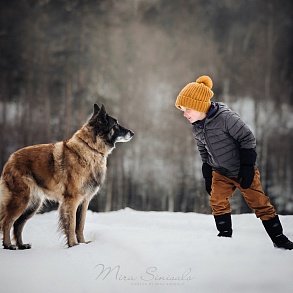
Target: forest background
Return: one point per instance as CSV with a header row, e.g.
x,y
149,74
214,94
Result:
x,y
58,57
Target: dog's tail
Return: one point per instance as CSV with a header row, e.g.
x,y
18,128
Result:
x,y
2,209
1,206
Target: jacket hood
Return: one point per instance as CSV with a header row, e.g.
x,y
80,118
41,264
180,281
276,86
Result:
x,y
221,109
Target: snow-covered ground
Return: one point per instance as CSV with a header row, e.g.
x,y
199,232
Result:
x,y
149,252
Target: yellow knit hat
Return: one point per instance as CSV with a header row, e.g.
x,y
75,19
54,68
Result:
x,y
196,95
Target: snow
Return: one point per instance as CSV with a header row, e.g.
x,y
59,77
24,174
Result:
x,y
149,252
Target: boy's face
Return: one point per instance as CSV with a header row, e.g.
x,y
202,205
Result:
x,y
192,115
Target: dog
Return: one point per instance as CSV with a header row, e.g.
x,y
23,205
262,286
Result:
x,y
70,172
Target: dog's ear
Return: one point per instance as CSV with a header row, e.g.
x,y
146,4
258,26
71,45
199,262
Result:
x,y
102,114
99,115
94,116
103,110
96,109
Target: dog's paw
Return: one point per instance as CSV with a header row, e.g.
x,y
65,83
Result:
x,y
80,239
72,244
10,247
24,246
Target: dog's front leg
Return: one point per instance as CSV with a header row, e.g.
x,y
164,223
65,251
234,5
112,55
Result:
x,y
80,221
67,221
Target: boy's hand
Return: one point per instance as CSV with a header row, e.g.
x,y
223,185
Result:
x,y
246,175
208,184
246,172
207,173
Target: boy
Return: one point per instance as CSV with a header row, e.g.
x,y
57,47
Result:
x,y
227,148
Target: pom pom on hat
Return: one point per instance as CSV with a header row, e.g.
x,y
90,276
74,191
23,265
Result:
x,y
196,95
206,80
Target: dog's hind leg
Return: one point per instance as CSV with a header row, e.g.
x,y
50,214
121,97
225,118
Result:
x,y
13,210
20,222
7,225
67,220
80,221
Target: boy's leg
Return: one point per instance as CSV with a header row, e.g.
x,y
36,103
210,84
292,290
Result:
x,y
275,231
260,203
257,200
222,189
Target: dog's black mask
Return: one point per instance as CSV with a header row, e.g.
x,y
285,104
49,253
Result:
x,y
107,127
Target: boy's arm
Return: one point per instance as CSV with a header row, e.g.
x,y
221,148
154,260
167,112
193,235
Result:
x,y
202,151
243,135
206,168
240,131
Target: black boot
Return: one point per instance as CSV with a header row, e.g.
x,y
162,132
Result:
x,y
275,231
224,225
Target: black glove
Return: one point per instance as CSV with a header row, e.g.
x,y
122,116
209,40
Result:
x,y
207,173
246,172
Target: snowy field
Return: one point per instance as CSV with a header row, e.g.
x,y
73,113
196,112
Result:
x,y
149,252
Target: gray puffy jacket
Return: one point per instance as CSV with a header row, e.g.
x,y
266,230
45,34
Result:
x,y
220,138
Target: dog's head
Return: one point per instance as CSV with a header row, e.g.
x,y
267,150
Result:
x,y
107,127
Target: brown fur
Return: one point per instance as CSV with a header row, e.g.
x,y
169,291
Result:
x,y
69,172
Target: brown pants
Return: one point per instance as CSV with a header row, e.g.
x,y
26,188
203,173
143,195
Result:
x,y
223,188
